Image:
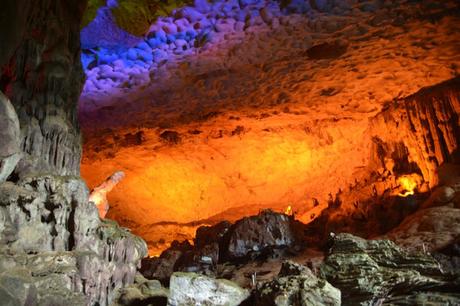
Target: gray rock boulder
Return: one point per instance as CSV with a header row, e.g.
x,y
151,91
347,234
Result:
x,y
256,233
428,229
370,272
194,289
142,292
297,285
9,138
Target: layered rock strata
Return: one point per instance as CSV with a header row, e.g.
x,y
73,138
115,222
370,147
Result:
x,y
370,272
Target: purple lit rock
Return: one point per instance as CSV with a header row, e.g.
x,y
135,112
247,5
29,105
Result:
x,y
103,32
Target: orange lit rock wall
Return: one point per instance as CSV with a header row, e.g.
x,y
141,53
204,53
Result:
x,y
254,122
202,177
428,126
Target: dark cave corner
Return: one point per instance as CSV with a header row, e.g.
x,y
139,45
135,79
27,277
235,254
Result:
x,y
386,234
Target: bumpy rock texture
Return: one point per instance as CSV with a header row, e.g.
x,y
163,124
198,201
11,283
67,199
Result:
x,y
9,138
253,234
195,289
377,271
422,131
265,235
53,236
428,229
54,249
142,292
121,22
413,137
297,285
43,79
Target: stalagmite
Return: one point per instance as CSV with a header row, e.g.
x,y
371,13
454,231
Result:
x,y
99,195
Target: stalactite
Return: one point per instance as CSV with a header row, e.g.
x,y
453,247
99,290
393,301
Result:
x,y
426,124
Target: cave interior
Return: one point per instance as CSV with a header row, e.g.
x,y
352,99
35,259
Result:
x,y
230,152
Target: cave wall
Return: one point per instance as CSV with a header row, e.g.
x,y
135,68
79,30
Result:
x,y
53,246
41,73
419,133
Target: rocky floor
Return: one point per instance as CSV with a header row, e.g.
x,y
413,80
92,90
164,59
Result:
x,y
267,261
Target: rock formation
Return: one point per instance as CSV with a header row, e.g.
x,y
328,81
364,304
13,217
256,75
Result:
x,y
142,292
253,234
54,248
377,271
411,138
43,79
194,289
435,225
252,237
99,194
297,285
53,235
420,132
9,138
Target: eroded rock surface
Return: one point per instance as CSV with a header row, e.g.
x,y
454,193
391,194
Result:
x,y
43,78
9,138
378,271
194,289
142,292
54,237
256,233
428,229
297,285
420,132
267,234
163,267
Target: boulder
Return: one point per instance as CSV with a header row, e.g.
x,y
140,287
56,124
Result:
x,y
211,234
256,233
194,289
162,267
374,271
10,152
449,258
428,229
297,285
142,292
200,259
442,195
